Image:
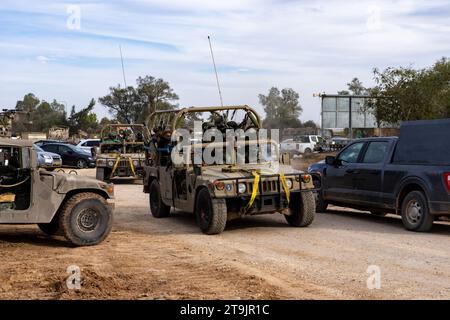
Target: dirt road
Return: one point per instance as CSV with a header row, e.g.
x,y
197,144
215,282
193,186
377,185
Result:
x,y
255,258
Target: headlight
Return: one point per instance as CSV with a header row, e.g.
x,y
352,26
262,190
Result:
x,y
48,159
110,163
242,187
289,183
135,163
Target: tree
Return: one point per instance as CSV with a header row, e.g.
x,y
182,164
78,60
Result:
x,y
356,87
282,108
124,104
28,104
409,94
84,120
133,105
155,94
309,124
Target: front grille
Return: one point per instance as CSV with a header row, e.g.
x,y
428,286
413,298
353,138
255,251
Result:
x,y
267,186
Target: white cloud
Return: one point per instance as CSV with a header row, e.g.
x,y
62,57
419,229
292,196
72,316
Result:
x,y
42,59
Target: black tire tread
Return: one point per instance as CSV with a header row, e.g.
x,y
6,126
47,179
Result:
x,y
303,215
64,221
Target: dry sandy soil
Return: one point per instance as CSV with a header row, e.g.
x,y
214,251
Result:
x,y
255,258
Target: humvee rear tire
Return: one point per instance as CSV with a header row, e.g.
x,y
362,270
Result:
x,y
157,206
51,228
85,219
302,208
211,214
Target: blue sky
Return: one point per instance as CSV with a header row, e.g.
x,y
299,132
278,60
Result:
x,y
310,46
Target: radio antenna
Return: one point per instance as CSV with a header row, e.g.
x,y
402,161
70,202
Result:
x,y
215,70
123,68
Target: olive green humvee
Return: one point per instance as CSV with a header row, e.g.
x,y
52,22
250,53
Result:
x,y
224,190
121,152
79,208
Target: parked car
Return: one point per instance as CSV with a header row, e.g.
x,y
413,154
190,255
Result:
x,y
90,145
47,160
72,156
409,175
300,144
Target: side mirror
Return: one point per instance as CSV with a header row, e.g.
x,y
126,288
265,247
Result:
x,y
330,160
285,158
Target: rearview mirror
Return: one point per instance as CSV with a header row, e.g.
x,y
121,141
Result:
x,y
330,160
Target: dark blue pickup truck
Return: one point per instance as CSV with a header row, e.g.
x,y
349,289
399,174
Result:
x,y
409,175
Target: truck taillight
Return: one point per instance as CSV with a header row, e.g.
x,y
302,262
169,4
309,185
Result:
x,y
447,180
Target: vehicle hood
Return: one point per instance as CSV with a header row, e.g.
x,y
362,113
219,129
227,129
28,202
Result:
x,y
230,172
53,155
64,182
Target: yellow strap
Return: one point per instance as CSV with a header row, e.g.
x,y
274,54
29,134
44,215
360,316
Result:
x,y
285,186
254,191
115,167
132,166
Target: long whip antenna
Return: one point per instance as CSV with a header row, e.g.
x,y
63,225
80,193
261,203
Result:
x,y
215,70
123,67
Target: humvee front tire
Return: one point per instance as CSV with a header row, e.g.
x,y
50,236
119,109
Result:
x,y
211,213
302,209
157,206
85,219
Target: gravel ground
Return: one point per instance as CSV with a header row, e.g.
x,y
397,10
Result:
x,y
255,258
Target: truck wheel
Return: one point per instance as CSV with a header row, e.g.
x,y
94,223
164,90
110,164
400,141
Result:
x,y
302,208
51,228
100,174
157,206
211,213
85,219
307,151
415,213
321,204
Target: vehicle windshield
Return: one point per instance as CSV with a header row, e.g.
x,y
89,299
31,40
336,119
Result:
x,y
37,148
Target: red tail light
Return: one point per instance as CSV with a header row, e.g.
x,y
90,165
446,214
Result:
x,y
447,180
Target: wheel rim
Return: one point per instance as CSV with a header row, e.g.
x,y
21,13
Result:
x,y
414,212
88,220
80,164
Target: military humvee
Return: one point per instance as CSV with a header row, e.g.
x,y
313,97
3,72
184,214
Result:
x,y
121,151
222,190
79,208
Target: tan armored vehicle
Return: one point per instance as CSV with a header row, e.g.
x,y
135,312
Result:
x,y
235,184
79,208
122,152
